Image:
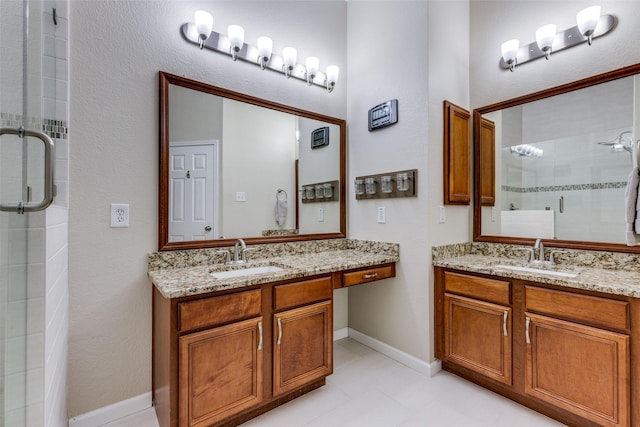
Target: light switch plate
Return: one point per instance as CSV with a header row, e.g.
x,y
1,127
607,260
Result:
x,y
320,214
119,215
382,214
441,216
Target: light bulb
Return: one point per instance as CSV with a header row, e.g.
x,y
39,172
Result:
x,y
510,52
312,63
236,39
265,47
290,56
204,25
544,38
588,21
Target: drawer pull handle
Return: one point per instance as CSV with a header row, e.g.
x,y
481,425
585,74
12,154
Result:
x,y
370,276
527,330
260,332
504,323
279,331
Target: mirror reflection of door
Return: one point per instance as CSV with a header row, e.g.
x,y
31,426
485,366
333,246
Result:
x,y
193,191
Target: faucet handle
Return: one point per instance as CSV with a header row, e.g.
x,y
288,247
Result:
x,y
244,251
227,260
532,256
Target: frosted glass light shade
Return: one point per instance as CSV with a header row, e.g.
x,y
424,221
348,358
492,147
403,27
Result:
x,y
545,36
588,20
204,24
333,72
265,48
236,37
290,56
313,64
510,50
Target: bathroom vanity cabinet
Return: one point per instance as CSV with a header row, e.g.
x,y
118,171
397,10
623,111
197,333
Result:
x,y
223,357
564,352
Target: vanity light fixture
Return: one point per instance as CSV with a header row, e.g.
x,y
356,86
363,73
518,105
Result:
x,y
510,52
204,25
290,56
588,21
312,63
526,150
265,47
236,39
590,24
544,38
333,71
233,43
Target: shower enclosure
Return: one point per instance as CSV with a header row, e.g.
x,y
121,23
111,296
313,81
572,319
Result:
x,y
27,158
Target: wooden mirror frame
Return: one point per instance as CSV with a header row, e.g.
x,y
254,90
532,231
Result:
x,y
166,79
558,90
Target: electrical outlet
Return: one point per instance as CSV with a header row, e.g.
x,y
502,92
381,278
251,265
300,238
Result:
x,y
241,196
382,215
321,215
441,217
493,213
119,215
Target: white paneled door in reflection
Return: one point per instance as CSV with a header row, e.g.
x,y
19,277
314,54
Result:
x,y
193,191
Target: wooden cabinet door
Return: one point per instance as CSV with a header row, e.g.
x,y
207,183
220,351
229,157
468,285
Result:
x,y
302,347
478,336
457,155
220,372
581,369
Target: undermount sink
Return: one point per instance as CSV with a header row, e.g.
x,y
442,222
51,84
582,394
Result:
x,y
536,270
246,271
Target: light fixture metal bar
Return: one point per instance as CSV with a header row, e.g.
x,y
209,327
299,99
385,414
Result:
x,y
220,43
564,39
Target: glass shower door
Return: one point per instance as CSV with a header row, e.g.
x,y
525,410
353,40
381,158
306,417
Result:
x,y
26,172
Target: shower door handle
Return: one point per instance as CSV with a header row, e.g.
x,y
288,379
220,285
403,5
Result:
x,y
49,159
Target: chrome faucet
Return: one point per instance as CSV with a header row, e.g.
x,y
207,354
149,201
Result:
x,y
540,247
238,255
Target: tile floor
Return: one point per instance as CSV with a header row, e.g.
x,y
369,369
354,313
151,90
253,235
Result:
x,y
370,389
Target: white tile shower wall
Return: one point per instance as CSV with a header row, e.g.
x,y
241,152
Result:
x,y
25,322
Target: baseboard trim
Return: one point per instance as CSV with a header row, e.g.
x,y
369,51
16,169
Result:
x,y
400,356
112,412
339,334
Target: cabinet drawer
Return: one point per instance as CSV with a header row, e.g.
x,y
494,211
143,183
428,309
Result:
x,y
491,290
592,310
217,310
368,275
300,293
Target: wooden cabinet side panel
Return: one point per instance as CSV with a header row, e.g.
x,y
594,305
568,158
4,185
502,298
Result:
x,y
581,369
457,155
478,336
164,361
302,346
220,372
487,170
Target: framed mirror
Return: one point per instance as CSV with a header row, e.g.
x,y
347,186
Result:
x,y
554,164
235,166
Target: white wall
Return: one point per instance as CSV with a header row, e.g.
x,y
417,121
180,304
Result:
x,y
117,49
413,65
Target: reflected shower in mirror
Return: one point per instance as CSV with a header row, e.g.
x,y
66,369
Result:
x,y
562,161
232,167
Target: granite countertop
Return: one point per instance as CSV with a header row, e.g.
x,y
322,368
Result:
x,y
611,281
197,279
